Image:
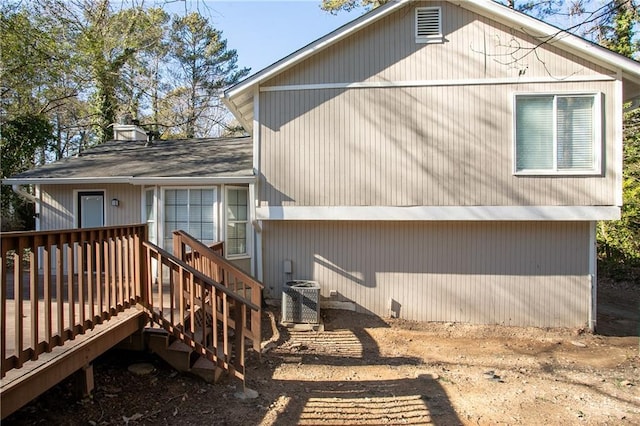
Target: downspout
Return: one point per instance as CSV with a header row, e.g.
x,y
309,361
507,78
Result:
x,y
593,276
35,199
17,188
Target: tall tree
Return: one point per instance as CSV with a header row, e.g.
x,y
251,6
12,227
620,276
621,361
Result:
x,y
106,41
144,78
203,67
616,31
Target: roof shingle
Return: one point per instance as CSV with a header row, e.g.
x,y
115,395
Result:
x,y
198,158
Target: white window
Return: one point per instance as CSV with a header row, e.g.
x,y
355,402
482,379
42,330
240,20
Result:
x,y
150,214
237,221
429,25
557,134
191,210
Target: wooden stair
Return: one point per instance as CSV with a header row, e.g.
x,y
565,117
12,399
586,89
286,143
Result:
x,y
181,356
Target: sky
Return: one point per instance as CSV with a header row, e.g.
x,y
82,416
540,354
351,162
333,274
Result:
x,y
263,32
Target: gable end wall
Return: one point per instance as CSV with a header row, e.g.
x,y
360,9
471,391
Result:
x,y
427,142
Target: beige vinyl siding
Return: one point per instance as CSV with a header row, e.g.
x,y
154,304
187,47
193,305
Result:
x,y
438,146
474,47
58,207
448,145
526,273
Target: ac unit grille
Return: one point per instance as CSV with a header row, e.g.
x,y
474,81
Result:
x,y
301,302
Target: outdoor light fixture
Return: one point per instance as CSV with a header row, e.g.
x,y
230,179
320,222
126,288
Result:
x,y
115,202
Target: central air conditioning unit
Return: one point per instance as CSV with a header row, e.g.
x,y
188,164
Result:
x,y
301,302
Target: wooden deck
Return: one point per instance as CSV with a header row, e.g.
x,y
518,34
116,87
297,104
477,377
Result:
x,y
21,385
67,296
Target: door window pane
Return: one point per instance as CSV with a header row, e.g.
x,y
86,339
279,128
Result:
x,y
91,209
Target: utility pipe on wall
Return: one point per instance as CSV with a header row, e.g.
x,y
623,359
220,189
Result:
x,y
24,194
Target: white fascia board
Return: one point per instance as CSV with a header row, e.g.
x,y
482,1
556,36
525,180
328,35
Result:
x,y
320,44
214,180
515,19
66,181
133,180
439,213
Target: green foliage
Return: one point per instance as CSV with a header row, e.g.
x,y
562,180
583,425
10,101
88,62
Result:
x,y
83,64
335,6
28,60
619,241
617,31
20,139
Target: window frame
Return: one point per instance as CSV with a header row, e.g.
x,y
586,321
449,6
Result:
x,y
227,221
598,138
152,236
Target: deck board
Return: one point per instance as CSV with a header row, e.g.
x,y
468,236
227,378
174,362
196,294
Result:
x,y
21,385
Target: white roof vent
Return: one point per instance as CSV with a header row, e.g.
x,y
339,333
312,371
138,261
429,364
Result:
x,y
429,25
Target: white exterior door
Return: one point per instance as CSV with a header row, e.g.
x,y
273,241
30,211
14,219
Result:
x,y
90,209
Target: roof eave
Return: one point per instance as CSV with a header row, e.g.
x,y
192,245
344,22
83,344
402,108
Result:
x,y
302,54
131,180
246,124
629,68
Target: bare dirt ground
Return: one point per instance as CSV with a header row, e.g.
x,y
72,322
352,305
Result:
x,y
366,370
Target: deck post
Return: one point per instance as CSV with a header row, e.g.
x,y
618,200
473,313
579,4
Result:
x,y
84,383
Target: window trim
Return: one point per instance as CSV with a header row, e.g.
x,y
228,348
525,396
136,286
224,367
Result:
x,y
598,137
154,207
434,38
247,253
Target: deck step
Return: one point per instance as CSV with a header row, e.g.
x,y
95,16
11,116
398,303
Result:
x,y
177,355
207,370
157,341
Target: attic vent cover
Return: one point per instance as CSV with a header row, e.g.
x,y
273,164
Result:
x,y
428,25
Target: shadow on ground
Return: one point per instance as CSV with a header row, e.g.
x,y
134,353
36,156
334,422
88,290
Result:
x,y
349,397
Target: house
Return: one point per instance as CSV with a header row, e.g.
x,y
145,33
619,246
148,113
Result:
x,y
434,161
200,186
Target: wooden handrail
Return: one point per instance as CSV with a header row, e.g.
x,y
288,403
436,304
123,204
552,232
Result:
x,y
197,246
207,281
215,266
198,294
65,282
61,283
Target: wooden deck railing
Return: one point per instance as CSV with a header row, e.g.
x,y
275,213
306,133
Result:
x,y
210,262
64,282
198,310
